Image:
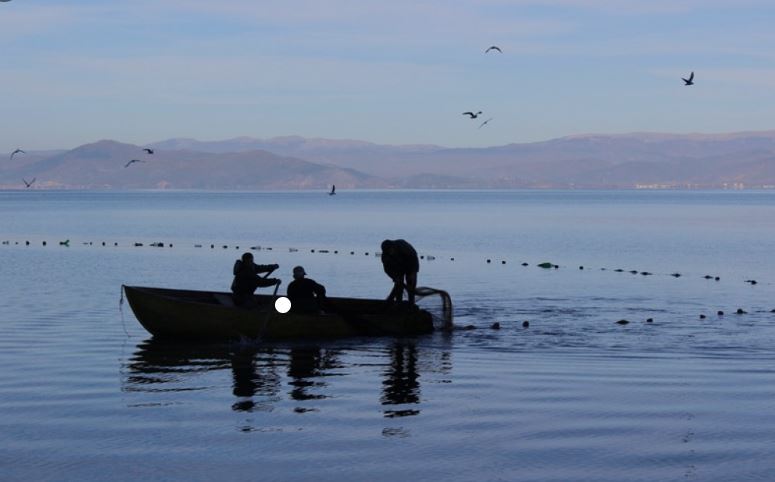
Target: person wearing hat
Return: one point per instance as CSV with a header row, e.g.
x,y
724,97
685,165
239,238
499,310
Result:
x,y
305,294
247,279
400,262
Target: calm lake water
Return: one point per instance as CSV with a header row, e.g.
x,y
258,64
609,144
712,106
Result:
x,y
87,394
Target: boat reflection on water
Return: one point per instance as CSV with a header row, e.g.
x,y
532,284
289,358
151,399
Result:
x,y
261,374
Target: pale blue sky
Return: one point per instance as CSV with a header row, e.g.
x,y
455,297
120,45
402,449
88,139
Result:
x,y
395,72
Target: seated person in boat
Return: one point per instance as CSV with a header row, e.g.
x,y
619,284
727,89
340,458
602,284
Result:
x,y
247,279
306,295
400,262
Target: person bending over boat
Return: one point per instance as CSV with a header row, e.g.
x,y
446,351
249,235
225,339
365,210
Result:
x,y
306,295
400,262
247,279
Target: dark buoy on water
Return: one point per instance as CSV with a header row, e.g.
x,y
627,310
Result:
x,y
496,326
488,260
581,267
717,278
649,320
212,246
524,264
503,261
676,275
702,317
452,259
720,313
622,322
741,311
525,324
44,243
26,243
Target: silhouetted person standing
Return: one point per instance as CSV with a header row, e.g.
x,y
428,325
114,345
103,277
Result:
x,y
399,259
246,278
306,295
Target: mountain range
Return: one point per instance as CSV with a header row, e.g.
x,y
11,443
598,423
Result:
x,y
650,160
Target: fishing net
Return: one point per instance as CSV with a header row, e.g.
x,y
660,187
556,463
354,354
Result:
x,y
437,303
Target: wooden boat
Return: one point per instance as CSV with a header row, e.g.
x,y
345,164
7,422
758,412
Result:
x,y
169,313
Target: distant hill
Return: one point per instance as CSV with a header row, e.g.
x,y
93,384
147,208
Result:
x,y
745,159
101,165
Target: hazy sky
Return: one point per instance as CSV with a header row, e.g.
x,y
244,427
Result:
x,y
397,72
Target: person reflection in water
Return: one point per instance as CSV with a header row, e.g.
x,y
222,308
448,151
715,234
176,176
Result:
x,y
306,295
251,380
247,279
400,262
401,385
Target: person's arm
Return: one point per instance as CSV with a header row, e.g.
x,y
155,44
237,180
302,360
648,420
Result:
x,y
319,290
266,268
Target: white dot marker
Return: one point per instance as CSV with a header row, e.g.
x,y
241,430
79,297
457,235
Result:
x,y
282,305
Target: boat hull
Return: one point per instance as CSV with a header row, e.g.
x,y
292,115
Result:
x,y
168,313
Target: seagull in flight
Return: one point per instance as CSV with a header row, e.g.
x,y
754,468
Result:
x,y
690,80
472,115
493,47
149,151
132,161
28,184
17,151
485,123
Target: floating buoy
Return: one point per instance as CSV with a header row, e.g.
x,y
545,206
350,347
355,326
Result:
x,y
138,244
645,273
322,251
225,246
741,311
503,261
44,243
619,270
352,252
720,313
545,265
634,271
524,264
366,254
556,266
622,322
581,267
707,276
115,244
431,258
496,326
103,243
702,317
197,245
66,242
422,256
676,275
525,324
717,278
27,243
649,320
336,252
452,259
488,260
752,281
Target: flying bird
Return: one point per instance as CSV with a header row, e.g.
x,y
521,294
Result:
x,y
690,80
132,161
493,47
149,151
485,123
333,190
17,151
28,184
473,116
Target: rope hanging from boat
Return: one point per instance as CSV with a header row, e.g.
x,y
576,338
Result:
x,y
121,310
